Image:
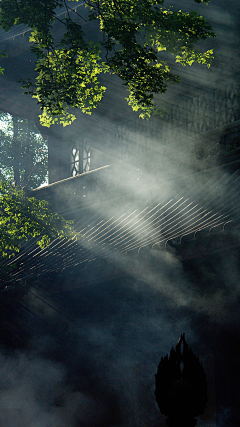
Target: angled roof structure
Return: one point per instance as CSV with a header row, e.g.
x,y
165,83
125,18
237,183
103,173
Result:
x,y
112,221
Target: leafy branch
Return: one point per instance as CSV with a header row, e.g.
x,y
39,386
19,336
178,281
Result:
x,y
22,217
133,35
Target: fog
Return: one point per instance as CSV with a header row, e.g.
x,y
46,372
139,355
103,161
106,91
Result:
x,y
85,324
95,331
92,360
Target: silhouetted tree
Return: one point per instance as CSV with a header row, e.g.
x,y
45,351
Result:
x,y
23,152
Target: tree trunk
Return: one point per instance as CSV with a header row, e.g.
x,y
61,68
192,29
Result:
x,y
15,146
28,164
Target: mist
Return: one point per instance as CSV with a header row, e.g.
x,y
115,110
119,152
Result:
x,y
85,323
99,325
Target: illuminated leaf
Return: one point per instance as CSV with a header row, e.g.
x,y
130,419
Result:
x,y
132,35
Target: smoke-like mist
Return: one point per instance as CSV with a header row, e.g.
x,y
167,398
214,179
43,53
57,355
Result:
x,y
95,332
92,360
34,392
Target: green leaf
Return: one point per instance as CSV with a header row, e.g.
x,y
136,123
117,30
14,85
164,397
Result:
x,y
133,35
21,217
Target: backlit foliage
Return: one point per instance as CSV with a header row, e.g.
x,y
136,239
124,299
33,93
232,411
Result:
x,y
133,33
22,217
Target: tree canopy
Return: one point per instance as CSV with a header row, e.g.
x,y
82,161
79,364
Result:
x,y
132,36
22,217
23,152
